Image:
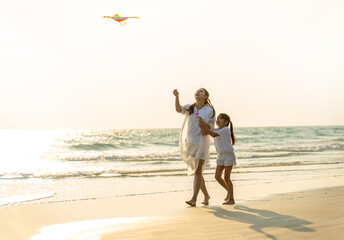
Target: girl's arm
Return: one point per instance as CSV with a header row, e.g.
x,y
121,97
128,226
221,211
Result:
x,y
204,133
205,125
178,107
206,128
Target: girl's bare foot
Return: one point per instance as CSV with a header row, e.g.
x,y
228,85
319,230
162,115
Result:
x,y
230,201
206,200
191,203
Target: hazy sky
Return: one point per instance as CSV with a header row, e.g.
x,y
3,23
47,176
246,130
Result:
x,y
265,63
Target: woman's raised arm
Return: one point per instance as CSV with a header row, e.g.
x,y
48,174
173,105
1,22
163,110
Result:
x,y
178,107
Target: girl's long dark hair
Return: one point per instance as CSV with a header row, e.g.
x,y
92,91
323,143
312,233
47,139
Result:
x,y
207,102
228,119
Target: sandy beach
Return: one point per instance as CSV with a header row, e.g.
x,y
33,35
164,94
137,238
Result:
x,y
316,212
102,114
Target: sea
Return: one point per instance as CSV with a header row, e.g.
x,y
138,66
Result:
x,y
39,166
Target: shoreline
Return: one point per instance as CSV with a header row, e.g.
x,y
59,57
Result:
x,y
242,192
102,216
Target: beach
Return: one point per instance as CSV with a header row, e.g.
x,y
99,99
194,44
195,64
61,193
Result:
x,y
313,211
132,184
100,119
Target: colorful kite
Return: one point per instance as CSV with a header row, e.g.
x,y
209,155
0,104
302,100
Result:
x,y
118,18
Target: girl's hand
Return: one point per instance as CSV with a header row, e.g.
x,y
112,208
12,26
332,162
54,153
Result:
x,y
201,123
203,126
204,133
175,92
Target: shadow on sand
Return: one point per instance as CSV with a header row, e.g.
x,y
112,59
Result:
x,y
260,219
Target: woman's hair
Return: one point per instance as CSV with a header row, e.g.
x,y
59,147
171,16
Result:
x,y
207,102
228,119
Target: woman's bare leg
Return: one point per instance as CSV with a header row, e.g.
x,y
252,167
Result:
x,y
205,192
197,183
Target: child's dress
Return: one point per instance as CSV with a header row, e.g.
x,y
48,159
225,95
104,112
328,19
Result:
x,y
224,147
195,146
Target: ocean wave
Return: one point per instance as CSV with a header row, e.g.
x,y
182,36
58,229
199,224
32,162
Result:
x,y
113,146
276,164
284,164
271,155
250,153
296,148
98,140
174,143
96,174
94,146
152,170
152,157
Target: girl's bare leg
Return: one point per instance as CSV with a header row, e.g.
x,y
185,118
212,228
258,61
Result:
x,y
230,194
197,183
219,179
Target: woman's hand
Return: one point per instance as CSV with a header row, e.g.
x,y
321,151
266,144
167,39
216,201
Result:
x,y
175,92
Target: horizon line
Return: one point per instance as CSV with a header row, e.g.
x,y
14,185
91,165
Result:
x,y
148,128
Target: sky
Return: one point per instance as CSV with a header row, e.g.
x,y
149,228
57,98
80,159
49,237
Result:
x,y
265,63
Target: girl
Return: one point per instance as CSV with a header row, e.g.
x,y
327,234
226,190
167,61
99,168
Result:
x,y
224,140
197,142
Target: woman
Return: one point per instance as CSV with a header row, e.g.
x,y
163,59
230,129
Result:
x,y
197,141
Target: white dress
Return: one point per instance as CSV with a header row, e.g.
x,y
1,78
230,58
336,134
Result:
x,y
224,147
194,146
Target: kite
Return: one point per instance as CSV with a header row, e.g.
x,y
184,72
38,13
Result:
x,y
118,18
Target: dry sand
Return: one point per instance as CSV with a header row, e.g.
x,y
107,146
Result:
x,y
311,214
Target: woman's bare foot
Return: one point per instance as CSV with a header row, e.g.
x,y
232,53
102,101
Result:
x,y
191,203
230,201
206,200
